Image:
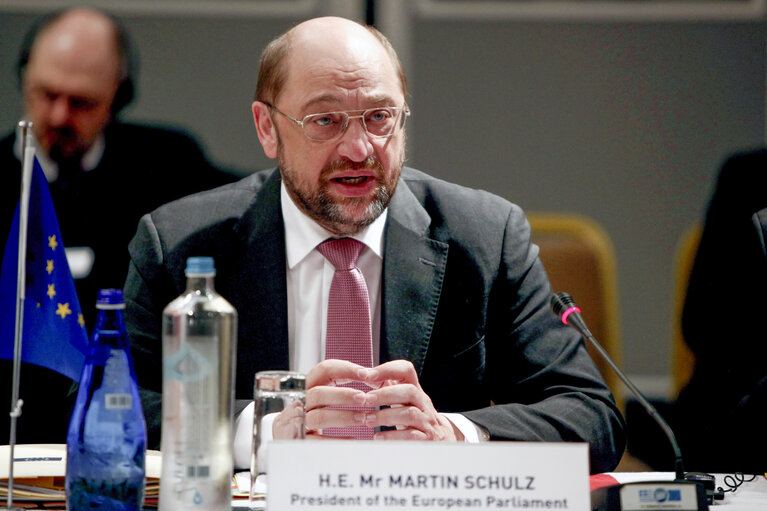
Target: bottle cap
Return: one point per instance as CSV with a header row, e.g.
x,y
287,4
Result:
x,y
200,266
110,299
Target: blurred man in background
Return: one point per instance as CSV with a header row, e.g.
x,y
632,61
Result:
x,y
77,72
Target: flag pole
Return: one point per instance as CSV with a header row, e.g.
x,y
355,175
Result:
x,y
27,160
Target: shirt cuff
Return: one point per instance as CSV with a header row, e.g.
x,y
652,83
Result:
x,y
472,432
243,437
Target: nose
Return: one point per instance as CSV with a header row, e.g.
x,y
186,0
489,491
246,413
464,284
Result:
x,y
355,144
59,111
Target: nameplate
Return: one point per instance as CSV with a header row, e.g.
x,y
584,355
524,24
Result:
x,y
336,474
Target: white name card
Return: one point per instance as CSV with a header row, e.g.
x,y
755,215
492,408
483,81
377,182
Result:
x,y
336,474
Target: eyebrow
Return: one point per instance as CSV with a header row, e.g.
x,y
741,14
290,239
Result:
x,y
378,99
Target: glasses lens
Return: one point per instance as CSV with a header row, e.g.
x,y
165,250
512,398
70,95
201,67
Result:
x,y
380,122
324,126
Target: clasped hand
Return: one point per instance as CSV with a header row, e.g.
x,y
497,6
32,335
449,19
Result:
x,y
397,401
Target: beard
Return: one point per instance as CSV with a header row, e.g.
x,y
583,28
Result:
x,y
347,215
64,144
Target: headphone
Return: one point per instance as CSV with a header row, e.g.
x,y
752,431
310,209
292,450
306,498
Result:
x,y
126,89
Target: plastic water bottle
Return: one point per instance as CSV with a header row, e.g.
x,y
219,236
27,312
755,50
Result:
x,y
199,345
106,440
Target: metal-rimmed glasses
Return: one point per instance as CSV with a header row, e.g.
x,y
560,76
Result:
x,y
380,122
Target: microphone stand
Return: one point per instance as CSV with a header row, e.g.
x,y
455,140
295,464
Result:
x,y
28,156
564,307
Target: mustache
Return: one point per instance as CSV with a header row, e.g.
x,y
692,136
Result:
x,y
63,132
370,163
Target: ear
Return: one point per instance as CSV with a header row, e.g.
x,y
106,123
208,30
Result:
x,y
267,133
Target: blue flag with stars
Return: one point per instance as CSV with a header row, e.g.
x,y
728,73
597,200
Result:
x,y
54,334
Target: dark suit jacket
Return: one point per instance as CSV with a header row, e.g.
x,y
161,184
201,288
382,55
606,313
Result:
x,y
465,299
721,322
747,447
142,168
760,222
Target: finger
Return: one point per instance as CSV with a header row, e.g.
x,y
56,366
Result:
x,y
322,418
395,371
289,423
289,429
421,426
333,372
402,417
400,394
291,411
320,397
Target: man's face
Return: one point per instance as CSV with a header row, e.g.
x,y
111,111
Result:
x,y
345,183
68,97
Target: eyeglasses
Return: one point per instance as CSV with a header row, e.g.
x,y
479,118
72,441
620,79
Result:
x,y
378,122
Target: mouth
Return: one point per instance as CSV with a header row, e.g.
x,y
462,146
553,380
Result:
x,y
351,180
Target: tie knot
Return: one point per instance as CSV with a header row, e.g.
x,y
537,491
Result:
x,y
342,253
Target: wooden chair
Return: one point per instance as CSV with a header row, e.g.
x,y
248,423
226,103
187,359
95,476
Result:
x,y
682,358
580,260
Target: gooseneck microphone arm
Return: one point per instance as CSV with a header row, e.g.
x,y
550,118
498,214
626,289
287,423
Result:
x,y
564,307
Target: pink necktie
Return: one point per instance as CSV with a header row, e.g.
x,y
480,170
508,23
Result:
x,y
348,335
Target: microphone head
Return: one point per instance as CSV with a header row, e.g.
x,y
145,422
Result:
x,y
563,305
561,302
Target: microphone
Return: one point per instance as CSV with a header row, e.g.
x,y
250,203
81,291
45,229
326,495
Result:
x,y
564,307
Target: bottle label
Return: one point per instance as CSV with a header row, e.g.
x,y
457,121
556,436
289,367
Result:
x,y
195,443
188,364
198,471
114,401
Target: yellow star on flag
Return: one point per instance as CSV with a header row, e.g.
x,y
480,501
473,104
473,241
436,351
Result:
x,y
51,291
52,242
81,320
49,266
63,310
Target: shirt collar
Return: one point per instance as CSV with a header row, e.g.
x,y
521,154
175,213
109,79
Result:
x,y
90,160
302,234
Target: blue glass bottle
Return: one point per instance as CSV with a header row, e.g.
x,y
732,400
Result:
x,y
106,440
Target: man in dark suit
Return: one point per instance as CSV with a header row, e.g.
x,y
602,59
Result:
x,y
76,73
459,300
721,322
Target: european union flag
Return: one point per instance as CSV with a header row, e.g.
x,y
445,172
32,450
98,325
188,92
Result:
x,y
54,334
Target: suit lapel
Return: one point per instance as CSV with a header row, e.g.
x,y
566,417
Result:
x,y
413,272
262,278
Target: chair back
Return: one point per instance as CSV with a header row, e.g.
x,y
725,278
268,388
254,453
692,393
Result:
x,y
579,259
682,358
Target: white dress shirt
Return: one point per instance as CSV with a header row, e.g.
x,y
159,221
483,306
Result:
x,y
89,161
309,276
